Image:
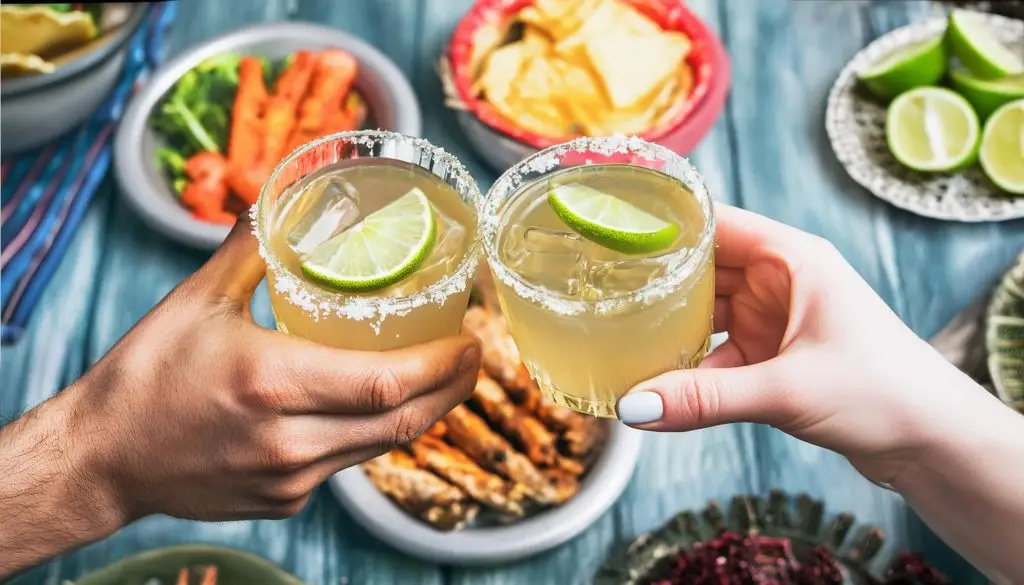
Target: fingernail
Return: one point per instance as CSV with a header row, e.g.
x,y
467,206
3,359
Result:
x,y
640,408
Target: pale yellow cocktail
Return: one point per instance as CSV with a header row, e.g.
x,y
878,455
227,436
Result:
x,y
591,321
329,190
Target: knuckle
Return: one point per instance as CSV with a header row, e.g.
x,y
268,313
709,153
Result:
x,y
698,398
409,424
279,456
384,389
258,384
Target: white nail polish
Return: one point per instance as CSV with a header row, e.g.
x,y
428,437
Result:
x,y
640,407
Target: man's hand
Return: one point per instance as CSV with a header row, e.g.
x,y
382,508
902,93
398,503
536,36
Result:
x,y
200,413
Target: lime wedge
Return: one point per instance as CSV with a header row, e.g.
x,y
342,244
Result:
x,y
932,129
975,45
387,246
610,221
1002,148
908,67
987,95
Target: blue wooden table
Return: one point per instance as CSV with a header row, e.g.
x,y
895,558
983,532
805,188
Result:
x,y
768,153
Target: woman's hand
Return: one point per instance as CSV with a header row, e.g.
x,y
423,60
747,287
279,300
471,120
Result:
x,y
200,413
812,350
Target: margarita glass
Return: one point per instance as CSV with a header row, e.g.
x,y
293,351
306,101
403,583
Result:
x,y
334,187
592,317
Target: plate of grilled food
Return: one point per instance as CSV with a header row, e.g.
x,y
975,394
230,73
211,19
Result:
x,y
505,475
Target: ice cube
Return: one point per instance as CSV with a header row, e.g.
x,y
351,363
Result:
x,y
548,258
334,208
443,259
622,276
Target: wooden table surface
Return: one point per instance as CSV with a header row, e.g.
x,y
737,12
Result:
x,y
768,152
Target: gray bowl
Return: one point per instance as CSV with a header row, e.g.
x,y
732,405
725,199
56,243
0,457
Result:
x,y
391,101
600,488
39,108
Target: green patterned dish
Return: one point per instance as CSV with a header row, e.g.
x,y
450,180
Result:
x,y
799,519
234,567
1004,336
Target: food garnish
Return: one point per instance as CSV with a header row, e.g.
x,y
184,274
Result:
x,y
591,67
505,453
32,36
227,123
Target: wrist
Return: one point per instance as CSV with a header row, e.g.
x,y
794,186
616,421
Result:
x,y
48,483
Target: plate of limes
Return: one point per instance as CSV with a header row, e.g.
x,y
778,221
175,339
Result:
x,y
930,117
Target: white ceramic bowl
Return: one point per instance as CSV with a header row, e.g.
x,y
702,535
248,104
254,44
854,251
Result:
x,y
40,108
599,490
392,105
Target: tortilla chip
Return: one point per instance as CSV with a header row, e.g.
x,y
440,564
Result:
x,y
501,70
609,17
16,65
40,31
485,40
560,18
633,69
536,40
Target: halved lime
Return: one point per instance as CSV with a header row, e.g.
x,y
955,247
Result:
x,y
932,129
976,46
610,221
387,246
1002,148
915,65
987,95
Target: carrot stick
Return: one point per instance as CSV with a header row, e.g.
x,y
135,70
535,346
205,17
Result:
x,y
294,80
250,100
183,577
335,72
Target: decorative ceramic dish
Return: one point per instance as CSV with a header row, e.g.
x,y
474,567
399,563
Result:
x,y
39,108
787,531
392,103
234,567
1004,336
504,144
856,128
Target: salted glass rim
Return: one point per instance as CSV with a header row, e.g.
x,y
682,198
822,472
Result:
x,y
513,182
317,300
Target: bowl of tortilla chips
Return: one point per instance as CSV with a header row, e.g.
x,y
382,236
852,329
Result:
x,y
58,62
528,74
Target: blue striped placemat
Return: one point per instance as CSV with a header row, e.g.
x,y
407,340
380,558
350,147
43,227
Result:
x,y
44,194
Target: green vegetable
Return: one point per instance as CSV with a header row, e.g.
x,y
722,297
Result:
x,y
195,115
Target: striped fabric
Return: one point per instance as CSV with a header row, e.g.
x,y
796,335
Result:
x,y
44,194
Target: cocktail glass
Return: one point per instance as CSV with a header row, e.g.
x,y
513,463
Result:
x,y
342,178
585,341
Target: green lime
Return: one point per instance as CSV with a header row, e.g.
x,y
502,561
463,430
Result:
x,y
610,221
908,67
975,45
932,129
1002,148
987,95
387,246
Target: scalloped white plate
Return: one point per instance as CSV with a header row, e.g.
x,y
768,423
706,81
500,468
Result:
x,y
856,128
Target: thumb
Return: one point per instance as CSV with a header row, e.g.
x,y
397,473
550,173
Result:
x,y
236,269
685,400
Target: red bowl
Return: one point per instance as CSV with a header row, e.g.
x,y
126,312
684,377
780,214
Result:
x,y
690,121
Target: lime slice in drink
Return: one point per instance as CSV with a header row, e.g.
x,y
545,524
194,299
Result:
x,y
987,95
904,69
1002,148
976,46
387,246
932,129
610,221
